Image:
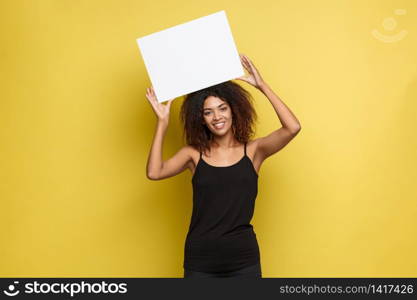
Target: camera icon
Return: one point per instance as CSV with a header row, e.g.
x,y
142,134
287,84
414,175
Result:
x,y
389,24
12,291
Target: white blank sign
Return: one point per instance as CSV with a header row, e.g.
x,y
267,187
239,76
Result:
x,y
190,56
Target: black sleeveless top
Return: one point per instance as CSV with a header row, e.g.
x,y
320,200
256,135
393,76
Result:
x,y
220,237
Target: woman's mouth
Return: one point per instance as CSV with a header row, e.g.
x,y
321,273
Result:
x,y
219,125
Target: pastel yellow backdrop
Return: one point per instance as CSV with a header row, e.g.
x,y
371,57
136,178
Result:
x,y
339,200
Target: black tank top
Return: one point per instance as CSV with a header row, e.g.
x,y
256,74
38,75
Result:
x,y
220,237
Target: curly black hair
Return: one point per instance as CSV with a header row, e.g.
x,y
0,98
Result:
x,y
240,102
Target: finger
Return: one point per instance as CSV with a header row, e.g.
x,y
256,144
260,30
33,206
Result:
x,y
151,99
245,65
242,59
152,104
169,103
149,92
250,63
253,68
148,95
154,95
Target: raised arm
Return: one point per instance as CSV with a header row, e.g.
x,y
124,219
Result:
x,y
156,168
279,138
275,141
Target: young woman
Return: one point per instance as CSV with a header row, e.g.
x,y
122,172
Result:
x,y
225,162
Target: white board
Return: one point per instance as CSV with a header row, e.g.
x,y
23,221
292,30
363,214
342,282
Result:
x,y
190,56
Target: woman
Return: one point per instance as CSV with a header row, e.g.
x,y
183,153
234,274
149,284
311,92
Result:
x,y
225,162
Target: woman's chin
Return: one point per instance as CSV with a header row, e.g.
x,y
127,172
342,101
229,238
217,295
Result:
x,y
220,132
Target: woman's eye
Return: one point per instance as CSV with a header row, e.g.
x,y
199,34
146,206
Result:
x,y
223,108
207,113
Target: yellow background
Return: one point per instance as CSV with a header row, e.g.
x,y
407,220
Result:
x,y
339,200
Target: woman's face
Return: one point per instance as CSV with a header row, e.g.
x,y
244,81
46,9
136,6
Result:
x,y
217,115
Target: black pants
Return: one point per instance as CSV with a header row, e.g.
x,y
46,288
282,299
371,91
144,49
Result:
x,y
248,272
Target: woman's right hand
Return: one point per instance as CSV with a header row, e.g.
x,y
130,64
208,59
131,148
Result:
x,y
161,110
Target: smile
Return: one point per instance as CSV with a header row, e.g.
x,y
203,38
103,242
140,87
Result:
x,y
219,125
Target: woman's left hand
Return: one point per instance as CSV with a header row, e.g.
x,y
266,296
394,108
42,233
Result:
x,y
253,78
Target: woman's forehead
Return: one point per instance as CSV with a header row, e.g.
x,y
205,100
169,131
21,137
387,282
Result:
x,y
213,102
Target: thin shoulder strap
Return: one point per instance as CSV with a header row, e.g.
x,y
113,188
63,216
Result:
x,y
245,149
201,154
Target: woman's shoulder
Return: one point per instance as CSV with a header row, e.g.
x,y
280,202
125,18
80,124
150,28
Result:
x,y
193,155
190,150
252,146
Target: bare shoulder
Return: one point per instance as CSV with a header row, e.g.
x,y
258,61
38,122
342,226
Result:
x,y
251,147
252,152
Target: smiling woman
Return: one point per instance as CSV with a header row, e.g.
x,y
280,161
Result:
x,y
226,105
225,161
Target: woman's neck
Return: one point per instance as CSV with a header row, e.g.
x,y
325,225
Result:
x,y
226,141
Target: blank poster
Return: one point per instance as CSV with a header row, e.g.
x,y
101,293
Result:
x,y
190,56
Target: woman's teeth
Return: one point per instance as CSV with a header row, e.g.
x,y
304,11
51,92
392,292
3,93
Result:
x,y
219,125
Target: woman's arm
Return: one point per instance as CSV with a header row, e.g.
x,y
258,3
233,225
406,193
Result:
x,y
276,140
156,168
279,138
